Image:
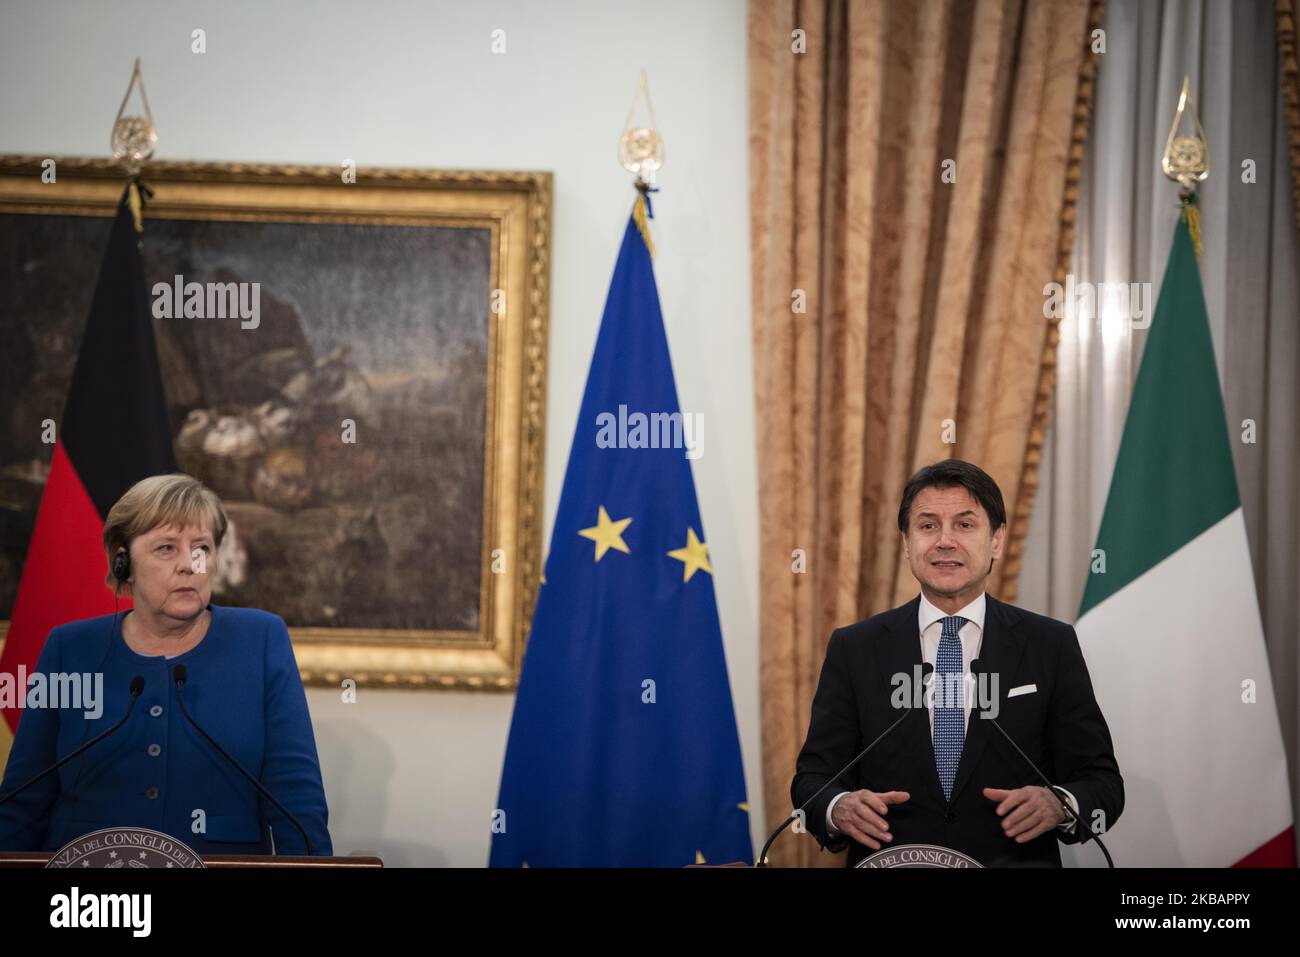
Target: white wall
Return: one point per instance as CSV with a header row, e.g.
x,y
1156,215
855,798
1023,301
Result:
x,y
413,776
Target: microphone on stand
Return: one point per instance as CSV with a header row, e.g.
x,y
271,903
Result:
x,y
927,671
179,676
137,689
1079,827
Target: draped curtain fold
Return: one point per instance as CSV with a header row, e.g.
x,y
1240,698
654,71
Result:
x,y
913,172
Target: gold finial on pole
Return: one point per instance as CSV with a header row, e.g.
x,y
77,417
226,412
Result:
x,y
133,141
641,151
1186,160
641,148
134,137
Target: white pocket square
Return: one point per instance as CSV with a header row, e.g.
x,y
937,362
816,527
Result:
x,y
1023,689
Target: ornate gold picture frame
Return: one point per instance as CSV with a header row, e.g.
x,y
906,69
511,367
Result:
x,y
401,285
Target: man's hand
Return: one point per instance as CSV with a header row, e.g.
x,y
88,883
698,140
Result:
x,y
861,815
1026,812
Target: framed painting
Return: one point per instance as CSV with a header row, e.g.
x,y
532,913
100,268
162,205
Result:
x,y
370,408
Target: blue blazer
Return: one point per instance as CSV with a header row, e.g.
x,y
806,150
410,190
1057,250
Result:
x,y
157,771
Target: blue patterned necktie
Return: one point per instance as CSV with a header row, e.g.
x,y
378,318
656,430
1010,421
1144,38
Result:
x,y
949,704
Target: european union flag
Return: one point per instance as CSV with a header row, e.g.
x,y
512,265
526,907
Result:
x,y
623,749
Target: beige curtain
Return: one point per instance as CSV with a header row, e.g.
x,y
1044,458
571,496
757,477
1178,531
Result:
x,y
913,173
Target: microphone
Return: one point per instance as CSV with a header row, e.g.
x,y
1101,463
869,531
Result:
x,y
927,670
179,675
137,689
1079,827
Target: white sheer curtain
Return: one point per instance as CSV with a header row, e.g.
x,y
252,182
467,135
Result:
x,y
1250,271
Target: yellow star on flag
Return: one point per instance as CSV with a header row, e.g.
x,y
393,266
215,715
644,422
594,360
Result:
x,y
607,534
694,555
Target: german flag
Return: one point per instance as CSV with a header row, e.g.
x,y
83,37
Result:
x,y
114,432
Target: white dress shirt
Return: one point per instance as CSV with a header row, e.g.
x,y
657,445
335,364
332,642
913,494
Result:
x,y
930,626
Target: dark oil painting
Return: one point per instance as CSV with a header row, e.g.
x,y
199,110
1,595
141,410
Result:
x,y
385,326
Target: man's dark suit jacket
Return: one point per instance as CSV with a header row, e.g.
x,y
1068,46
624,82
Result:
x,y
1059,726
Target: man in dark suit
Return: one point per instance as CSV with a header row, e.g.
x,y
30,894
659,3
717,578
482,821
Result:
x,y
945,775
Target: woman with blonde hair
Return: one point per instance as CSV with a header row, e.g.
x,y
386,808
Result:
x,y
214,678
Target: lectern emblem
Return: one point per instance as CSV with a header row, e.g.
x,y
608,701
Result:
x,y
918,855
125,847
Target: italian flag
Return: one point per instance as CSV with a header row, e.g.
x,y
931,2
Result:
x,y
1170,624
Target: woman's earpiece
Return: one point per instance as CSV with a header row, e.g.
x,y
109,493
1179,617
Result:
x,y
122,566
